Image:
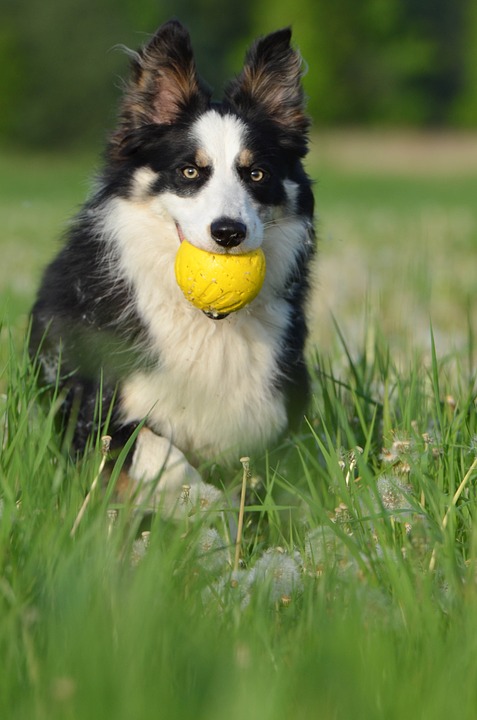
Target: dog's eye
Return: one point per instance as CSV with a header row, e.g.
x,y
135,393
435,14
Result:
x,y
257,175
190,172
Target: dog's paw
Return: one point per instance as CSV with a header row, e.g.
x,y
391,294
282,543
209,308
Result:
x,y
163,480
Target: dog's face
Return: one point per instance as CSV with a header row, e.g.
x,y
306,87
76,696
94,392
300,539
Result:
x,y
222,173
212,186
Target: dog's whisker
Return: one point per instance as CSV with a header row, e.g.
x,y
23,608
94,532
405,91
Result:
x,y
277,222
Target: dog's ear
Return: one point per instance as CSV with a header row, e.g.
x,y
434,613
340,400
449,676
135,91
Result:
x,y
270,85
164,82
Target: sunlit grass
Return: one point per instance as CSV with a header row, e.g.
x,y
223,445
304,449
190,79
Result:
x,y
356,593
38,196
398,238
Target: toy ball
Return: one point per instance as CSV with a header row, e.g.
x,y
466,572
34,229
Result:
x,y
216,283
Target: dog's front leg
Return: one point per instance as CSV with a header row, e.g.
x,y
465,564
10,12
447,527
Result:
x,y
164,480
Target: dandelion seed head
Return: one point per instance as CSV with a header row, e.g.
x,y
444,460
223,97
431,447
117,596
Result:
x,y
401,445
279,572
202,497
388,456
393,493
138,551
473,445
343,517
211,551
320,549
241,582
420,536
325,551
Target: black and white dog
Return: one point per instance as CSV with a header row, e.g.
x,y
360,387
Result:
x,y
110,320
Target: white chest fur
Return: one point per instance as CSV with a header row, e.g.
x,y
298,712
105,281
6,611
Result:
x,y
211,390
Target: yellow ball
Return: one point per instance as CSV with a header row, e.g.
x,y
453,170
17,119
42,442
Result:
x,y
219,283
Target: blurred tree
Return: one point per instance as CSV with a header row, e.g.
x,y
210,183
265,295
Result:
x,y
465,103
216,27
12,74
440,80
375,61
63,85
61,68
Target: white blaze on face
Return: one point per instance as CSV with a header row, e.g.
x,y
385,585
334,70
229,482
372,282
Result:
x,y
220,145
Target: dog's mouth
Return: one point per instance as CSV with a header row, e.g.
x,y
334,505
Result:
x,y
209,314
179,232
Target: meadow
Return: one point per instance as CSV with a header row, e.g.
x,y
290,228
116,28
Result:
x,y
356,593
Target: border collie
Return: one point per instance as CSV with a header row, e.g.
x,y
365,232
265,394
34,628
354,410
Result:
x,y
110,322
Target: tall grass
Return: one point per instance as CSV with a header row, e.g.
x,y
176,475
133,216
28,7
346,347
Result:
x,y
356,594
357,591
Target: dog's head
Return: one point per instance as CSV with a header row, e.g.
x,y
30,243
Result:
x,y
223,172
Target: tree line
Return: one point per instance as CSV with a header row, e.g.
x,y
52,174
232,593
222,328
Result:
x,y
368,62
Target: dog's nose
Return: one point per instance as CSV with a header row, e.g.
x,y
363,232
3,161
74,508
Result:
x,y
228,232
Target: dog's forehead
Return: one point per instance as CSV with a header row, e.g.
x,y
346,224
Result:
x,y
221,139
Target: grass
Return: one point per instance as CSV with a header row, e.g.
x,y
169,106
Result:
x,y
357,595
397,235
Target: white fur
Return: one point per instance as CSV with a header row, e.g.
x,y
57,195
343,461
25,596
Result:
x,y
211,391
143,180
164,478
221,140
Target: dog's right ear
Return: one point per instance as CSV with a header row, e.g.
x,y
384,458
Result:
x,y
164,83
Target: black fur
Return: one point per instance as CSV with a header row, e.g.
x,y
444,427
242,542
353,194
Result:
x,y
85,324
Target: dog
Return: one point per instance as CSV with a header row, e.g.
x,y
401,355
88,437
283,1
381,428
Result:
x,y
110,324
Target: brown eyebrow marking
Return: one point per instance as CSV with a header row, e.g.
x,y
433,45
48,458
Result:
x,y
201,158
245,159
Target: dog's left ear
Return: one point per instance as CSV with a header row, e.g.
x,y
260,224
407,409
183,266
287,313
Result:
x,y
270,85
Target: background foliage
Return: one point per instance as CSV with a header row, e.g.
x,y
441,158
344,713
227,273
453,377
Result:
x,y
391,62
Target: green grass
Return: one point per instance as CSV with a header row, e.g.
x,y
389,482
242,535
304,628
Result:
x,y
357,596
